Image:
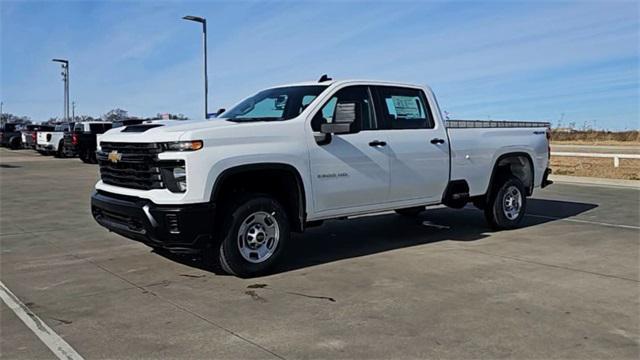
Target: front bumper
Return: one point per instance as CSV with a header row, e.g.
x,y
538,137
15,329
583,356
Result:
x,y
177,228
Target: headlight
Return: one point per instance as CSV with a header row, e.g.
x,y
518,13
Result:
x,y
182,145
180,177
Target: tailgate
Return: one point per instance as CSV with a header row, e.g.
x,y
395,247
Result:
x,y
43,139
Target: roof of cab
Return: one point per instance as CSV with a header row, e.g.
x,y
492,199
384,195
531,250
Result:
x,y
347,81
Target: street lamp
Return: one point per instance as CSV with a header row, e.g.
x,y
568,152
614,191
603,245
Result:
x,y
65,77
203,21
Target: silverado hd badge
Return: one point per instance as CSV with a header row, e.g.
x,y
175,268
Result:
x,y
114,156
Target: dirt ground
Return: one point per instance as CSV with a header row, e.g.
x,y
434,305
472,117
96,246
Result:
x,y
596,167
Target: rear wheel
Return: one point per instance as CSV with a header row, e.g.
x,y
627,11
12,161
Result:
x,y
82,157
253,237
92,157
60,152
15,143
85,156
507,205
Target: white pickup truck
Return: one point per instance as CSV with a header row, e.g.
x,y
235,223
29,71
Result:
x,y
52,142
292,156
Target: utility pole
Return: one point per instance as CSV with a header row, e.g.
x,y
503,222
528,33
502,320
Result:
x,y
65,77
73,111
203,21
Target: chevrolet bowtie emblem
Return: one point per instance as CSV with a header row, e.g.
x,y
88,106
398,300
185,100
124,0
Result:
x,y
114,157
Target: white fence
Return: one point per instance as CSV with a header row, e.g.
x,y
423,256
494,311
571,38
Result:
x,y
616,157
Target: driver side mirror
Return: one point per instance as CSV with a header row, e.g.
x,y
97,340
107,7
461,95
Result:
x,y
344,119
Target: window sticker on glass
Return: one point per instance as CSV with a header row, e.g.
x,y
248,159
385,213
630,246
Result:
x,y
407,107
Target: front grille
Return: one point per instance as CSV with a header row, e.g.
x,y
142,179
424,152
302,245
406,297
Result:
x,y
132,165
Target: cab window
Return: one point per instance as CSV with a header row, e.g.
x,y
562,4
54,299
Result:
x,y
404,108
365,117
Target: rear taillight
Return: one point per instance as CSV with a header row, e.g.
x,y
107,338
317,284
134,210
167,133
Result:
x,y
74,139
549,143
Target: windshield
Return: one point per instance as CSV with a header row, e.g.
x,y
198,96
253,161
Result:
x,y
274,104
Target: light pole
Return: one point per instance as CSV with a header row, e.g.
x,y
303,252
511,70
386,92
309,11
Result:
x,y
203,21
73,111
65,77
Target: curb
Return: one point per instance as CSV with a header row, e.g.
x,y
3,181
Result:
x,y
592,181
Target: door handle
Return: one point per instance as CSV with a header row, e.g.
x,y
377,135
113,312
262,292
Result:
x,y
437,141
377,143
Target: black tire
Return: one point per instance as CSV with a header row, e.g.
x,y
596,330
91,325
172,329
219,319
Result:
x,y
15,143
231,260
92,157
60,152
414,211
501,216
84,156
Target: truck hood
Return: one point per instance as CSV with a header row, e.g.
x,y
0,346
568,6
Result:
x,y
163,130
220,131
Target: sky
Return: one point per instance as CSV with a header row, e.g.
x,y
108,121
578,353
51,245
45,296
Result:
x,y
569,62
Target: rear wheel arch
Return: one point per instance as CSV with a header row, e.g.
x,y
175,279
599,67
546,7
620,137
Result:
x,y
282,181
518,164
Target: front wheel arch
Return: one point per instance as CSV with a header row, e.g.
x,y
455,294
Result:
x,y
254,178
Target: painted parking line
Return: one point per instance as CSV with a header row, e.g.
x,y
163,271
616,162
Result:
x,y
53,341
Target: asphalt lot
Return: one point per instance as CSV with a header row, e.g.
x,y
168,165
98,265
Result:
x,y
566,285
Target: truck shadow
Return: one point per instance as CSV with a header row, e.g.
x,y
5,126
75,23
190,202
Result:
x,y
343,239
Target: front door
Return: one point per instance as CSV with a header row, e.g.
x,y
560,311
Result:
x,y
349,170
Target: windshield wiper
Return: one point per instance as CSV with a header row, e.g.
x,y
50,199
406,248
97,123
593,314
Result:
x,y
254,119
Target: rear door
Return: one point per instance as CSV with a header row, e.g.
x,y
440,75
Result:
x,y
349,170
417,145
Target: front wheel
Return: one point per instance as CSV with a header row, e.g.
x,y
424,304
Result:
x,y
254,236
507,205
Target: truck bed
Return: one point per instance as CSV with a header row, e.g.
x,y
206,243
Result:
x,y
477,144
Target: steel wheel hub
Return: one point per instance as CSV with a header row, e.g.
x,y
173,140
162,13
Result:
x,y
258,237
512,203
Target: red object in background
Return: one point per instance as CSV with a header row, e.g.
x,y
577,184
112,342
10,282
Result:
x,y
74,139
34,136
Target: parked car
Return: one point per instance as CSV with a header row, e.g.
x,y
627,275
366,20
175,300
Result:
x,y
10,136
52,142
291,156
82,140
29,135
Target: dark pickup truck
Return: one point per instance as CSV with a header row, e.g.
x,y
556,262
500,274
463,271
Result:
x,y
10,136
82,140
